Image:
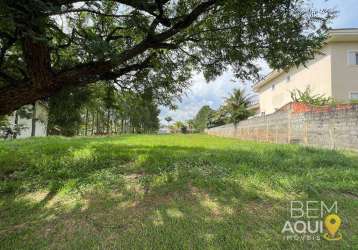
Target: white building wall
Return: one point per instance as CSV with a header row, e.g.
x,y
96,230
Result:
x,y
344,74
41,123
316,74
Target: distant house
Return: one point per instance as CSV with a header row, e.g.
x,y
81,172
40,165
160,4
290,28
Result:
x,y
30,121
333,73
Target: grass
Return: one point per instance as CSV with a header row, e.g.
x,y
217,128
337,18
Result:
x,y
167,192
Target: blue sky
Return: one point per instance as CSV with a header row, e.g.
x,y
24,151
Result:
x,y
202,93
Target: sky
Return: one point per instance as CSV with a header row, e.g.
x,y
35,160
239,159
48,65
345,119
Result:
x,y
213,93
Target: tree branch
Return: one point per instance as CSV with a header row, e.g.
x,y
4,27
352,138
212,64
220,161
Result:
x,y
87,10
43,82
165,46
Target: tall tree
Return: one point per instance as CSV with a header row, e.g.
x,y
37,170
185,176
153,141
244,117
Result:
x,y
47,45
65,110
201,119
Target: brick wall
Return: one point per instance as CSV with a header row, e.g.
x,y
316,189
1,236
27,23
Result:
x,y
330,127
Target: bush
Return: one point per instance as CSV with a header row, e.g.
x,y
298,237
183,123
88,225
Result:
x,y
307,97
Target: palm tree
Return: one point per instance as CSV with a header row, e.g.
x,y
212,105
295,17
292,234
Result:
x,y
236,106
177,126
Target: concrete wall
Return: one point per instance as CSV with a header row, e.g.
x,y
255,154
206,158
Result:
x,y
316,75
323,127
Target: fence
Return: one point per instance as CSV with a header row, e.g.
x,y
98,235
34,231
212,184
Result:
x,y
330,127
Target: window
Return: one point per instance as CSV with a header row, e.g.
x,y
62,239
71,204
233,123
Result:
x,y
354,95
353,57
273,86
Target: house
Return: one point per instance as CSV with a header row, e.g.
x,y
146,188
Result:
x,y
164,130
254,107
333,73
29,121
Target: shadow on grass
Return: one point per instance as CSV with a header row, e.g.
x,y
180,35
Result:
x,y
104,194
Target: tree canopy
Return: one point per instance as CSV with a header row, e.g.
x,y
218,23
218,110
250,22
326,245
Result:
x,y
47,45
201,119
235,108
100,109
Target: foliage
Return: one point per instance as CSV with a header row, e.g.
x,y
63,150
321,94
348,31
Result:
x,y
167,191
201,119
190,124
178,127
308,97
48,45
143,113
218,118
168,119
65,110
184,129
235,107
101,109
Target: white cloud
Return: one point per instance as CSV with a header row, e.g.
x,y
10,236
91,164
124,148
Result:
x,y
203,93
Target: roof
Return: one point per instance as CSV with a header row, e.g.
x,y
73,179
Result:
x,y
334,35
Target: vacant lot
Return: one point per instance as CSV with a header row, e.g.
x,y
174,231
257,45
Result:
x,y
167,192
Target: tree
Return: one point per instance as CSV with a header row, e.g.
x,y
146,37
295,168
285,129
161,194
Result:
x,y
168,119
177,126
48,45
191,124
217,118
184,129
143,113
65,110
235,106
201,119
72,108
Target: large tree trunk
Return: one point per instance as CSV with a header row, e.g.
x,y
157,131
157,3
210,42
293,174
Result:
x,y
44,81
33,120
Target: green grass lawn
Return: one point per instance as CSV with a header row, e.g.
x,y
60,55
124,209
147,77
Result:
x,y
167,192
